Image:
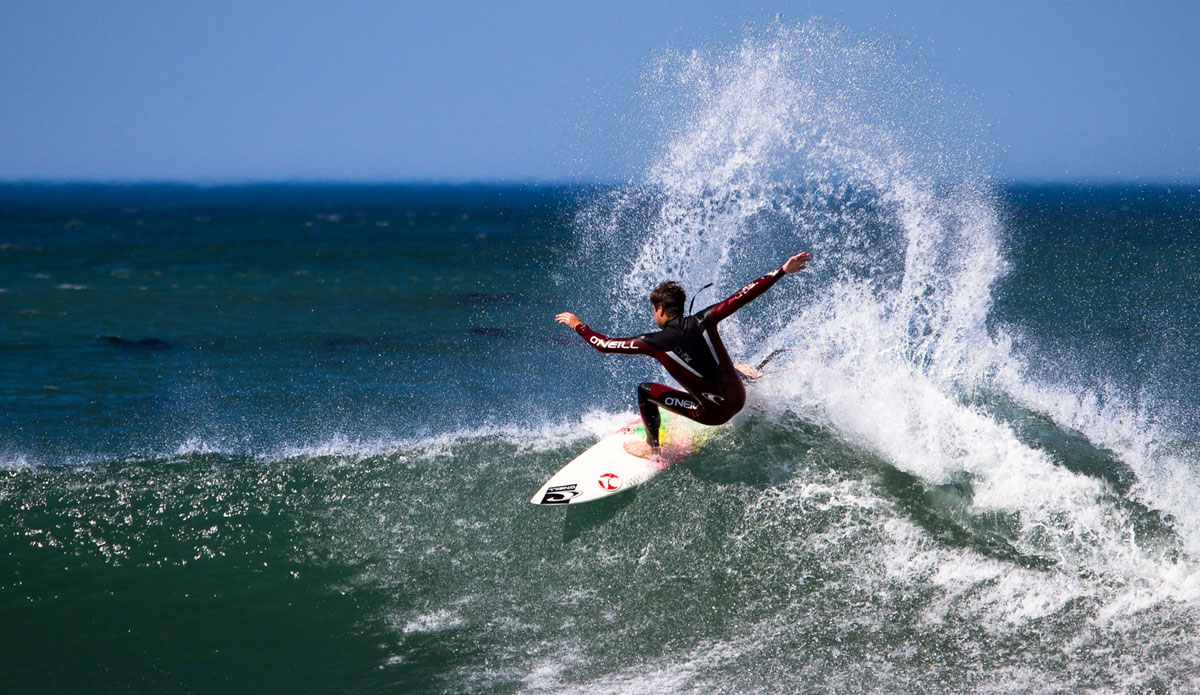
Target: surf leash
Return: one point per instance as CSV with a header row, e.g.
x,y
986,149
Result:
x,y
780,351
697,294
773,355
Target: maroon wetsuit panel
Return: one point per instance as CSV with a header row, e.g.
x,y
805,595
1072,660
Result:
x,y
691,351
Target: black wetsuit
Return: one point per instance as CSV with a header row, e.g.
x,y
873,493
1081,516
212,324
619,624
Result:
x,y
691,350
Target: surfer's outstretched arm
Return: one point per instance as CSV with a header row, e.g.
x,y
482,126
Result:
x,y
628,346
752,291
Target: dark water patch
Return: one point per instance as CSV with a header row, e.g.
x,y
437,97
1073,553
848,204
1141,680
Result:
x,y
349,342
373,344
140,345
479,299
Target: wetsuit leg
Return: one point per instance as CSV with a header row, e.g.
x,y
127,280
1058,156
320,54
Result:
x,y
649,411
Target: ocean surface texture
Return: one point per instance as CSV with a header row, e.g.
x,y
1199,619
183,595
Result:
x,y
283,438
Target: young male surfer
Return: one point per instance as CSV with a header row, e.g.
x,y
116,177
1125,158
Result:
x,y
691,350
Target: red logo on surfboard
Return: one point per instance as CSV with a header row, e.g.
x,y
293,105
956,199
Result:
x,y
610,481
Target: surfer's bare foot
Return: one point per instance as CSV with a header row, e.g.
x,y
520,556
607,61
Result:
x,y
749,371
640,449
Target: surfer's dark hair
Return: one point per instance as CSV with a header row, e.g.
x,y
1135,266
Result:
x,y
669,297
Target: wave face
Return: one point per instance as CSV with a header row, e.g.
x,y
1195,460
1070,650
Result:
x,y
283,439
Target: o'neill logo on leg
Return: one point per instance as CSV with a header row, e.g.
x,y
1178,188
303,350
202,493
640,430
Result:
x,y
610,481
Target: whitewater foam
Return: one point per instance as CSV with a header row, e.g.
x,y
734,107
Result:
x,y
800,138
1167,468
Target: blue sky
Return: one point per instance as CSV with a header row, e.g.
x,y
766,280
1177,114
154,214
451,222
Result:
x,y
470,91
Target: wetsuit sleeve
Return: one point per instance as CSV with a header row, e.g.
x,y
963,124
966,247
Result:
x,y
627,346
744,296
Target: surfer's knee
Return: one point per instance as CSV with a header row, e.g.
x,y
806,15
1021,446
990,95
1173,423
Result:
x,y
649,391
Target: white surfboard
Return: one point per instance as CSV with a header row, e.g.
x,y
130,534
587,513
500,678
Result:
x,y
607,469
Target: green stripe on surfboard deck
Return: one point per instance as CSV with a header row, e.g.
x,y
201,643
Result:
x,y
672,422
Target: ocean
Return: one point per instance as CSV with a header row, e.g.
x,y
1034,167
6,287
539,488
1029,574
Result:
x,y
282,438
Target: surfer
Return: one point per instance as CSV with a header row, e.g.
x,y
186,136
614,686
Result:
x,y
691,350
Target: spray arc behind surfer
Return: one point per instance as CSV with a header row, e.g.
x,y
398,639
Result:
x,y
691,350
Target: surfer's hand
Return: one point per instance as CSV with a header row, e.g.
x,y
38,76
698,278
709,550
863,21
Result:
x,y
748,371
569,319
797,262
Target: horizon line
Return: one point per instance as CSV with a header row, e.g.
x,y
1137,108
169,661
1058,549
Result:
x,y
514,182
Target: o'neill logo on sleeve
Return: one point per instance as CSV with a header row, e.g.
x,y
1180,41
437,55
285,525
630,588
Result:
x,y
611,344
744,290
